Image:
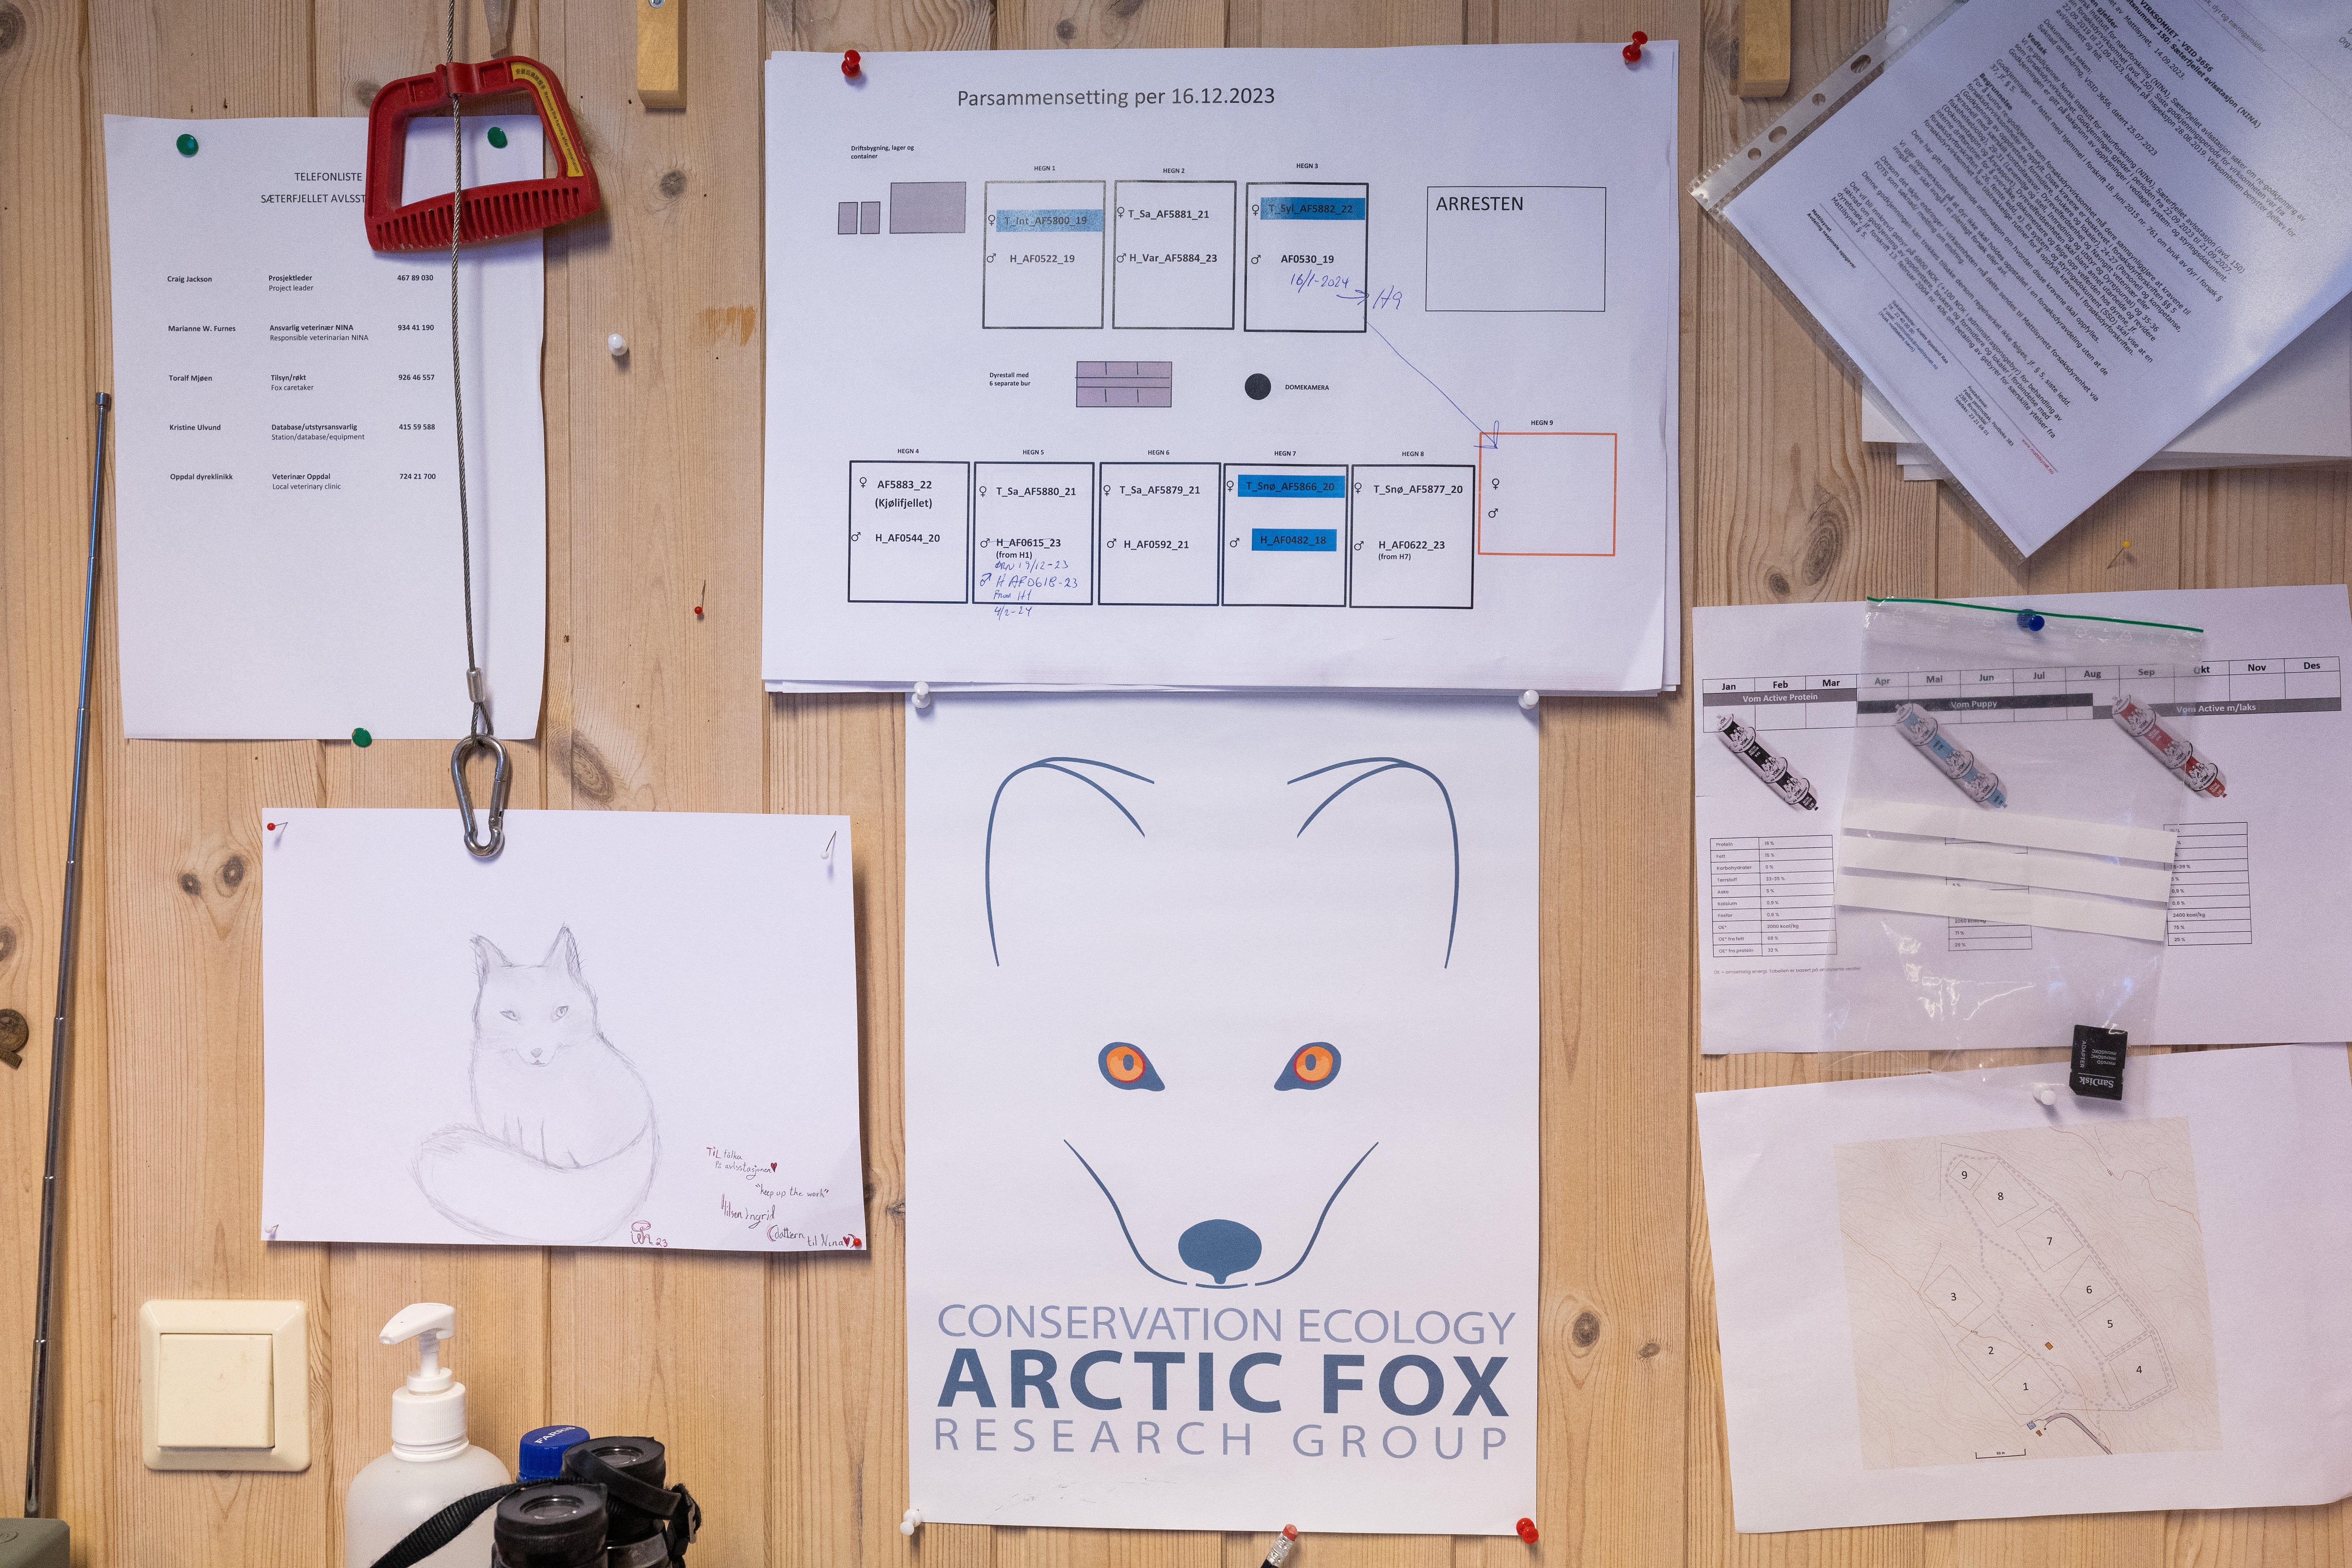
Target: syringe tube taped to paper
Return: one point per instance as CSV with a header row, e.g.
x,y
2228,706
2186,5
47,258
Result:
x,y
2140,722
1767,764
1976,781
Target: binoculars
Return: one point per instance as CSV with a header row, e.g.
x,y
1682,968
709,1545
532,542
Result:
x,y
610,1510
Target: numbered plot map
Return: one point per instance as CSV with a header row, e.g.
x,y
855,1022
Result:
x,y
2032,1294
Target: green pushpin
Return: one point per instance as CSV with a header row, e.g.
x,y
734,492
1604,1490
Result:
x,y
361,738
186,144
497,135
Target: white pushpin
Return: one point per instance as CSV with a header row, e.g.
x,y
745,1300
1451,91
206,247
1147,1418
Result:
x,y
906,1523
922,694
1528,700
2046,1093
619,345
827,853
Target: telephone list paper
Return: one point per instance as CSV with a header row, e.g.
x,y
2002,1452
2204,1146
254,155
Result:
x,y
2053,236
285,455
2259,916
1243,368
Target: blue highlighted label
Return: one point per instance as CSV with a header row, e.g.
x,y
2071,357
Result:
x,y
1322,487
1346,209
1050,220
1326,539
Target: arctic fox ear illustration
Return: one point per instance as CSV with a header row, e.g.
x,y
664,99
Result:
x,y
564,1144
486,957
1039,771
1362,770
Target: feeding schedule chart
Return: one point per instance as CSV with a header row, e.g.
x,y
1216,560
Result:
x,y
1235,370
1770,897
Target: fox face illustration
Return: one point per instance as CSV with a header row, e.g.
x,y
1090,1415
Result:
x,y
564,1143
1220,1084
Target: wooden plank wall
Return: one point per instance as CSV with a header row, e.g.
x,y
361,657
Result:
x,y
779,1383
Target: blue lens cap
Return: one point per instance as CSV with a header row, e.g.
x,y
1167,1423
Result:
x,y
541,1458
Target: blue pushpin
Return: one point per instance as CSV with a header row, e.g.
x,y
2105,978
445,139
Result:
x,y
2028,621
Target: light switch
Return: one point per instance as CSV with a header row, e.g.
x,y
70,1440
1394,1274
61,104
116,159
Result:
x,y
224,1385
212,1391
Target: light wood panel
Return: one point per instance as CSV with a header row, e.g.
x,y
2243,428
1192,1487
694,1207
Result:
x,y
779,1383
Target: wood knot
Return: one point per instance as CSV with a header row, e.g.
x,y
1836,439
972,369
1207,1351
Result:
x,y
14,1033
1825,544
589,775
365,91
232,874
12,27
192,885
1066,29
1649,1349
1778,584
674,182
1586,1329
8,943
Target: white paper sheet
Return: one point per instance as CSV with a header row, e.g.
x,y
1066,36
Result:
x,y
1938,1298
1222,1049
630,1030
1223,368
285,466
2054,234
2296,409
2259,915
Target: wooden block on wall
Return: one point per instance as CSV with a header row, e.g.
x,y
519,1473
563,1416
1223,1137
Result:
x,y
1763,48
661,53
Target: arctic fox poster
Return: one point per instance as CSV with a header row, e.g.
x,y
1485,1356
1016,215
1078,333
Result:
x,y
1221,1059
629,1029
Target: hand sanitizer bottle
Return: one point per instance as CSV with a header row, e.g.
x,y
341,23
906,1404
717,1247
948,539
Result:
x,y
431,1464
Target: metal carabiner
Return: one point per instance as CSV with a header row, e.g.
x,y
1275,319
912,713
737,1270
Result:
x,y
458,756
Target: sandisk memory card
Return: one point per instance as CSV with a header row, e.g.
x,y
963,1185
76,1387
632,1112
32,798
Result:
x,y
2097,1070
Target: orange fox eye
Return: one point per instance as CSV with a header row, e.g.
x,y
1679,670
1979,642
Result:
x,y
1310,1067
1126,1067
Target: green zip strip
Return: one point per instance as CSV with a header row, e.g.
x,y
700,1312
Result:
x,y
2061,615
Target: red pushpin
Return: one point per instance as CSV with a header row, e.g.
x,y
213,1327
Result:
x,y
849,64
1527,1526
1632,57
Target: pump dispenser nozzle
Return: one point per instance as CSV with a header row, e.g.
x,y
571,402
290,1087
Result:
x,y
428,1324
430,1412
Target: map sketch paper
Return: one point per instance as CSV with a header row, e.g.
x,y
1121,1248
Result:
x,y
1221,1113
2157,1328
2032,1294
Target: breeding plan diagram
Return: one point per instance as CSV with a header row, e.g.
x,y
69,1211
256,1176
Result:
x,y
2037,1294
1222,368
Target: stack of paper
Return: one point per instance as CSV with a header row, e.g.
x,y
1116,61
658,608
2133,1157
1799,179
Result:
x,y
2054,236
2295,409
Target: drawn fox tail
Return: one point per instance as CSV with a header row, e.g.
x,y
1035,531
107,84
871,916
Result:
x,y
501,1193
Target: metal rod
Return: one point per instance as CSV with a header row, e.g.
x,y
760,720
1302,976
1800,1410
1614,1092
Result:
x,y
59,1033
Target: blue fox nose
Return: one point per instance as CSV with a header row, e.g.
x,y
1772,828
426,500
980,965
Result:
x,y
1218,1247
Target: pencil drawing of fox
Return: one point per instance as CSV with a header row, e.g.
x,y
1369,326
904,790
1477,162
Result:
x,y
564,1144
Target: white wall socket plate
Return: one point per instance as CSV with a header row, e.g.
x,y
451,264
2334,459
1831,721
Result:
x,y
224,1385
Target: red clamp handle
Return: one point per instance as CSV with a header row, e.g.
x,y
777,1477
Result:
x,y
492,212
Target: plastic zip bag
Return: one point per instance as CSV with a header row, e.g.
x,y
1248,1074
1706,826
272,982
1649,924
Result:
x,y
2004,863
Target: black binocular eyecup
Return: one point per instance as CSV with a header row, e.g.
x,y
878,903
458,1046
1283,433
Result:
x,y
649,1523
556,1524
